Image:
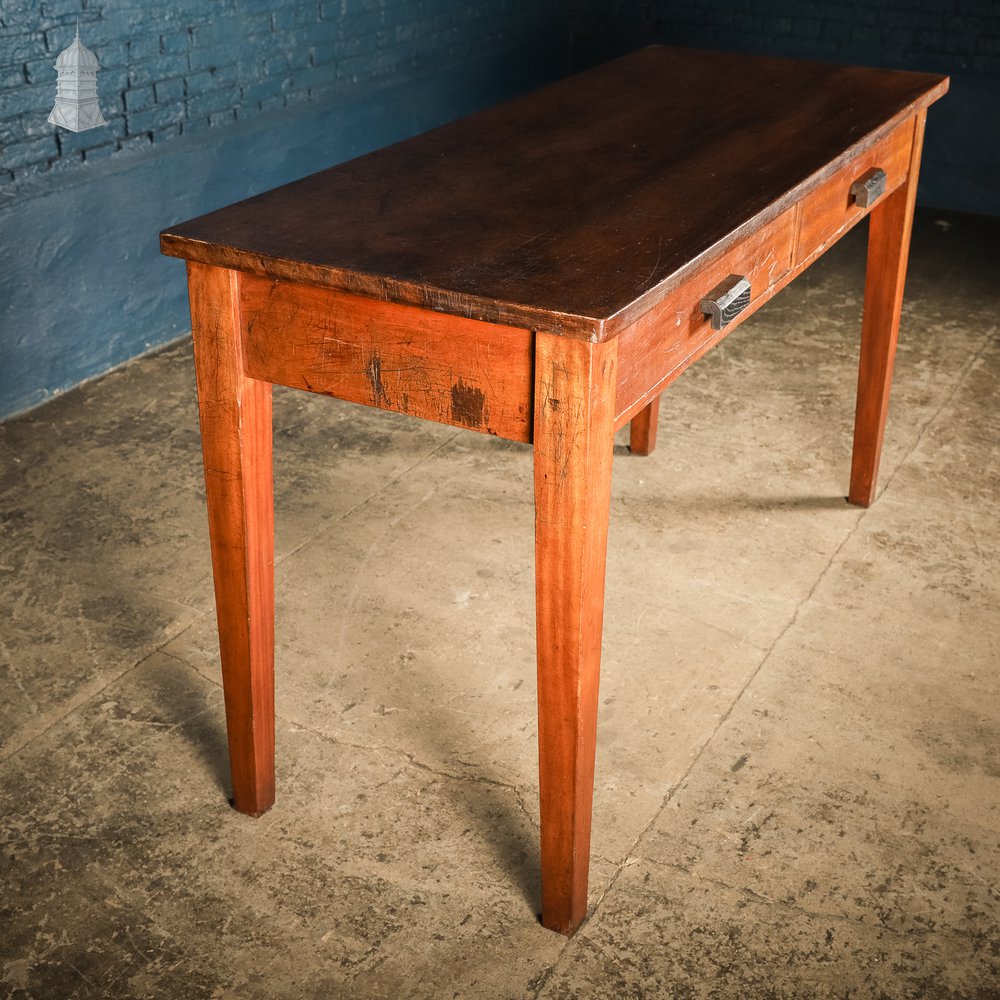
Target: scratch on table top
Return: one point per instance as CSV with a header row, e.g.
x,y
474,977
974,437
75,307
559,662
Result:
x,y
659,257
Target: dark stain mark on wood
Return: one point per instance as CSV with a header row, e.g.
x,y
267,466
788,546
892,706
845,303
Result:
x,y
468,404
373,372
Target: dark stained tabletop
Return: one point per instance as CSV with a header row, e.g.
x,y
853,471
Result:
x,y
581,202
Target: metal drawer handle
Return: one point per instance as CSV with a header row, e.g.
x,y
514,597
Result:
x,y
868,187
727,300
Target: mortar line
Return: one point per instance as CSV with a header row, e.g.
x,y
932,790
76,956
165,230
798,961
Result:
x,y
75,704
839,918
623,864
410,758
364,500
732,707
959,382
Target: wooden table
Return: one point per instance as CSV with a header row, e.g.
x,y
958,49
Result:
x,y
540,271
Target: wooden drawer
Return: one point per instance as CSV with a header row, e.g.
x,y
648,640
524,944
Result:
x,y
663,342
829,211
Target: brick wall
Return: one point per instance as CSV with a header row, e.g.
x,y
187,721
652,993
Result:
x,y
945,36
176,67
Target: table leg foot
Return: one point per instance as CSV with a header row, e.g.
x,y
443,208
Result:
x,y
573,447
235,414
642,429
888,249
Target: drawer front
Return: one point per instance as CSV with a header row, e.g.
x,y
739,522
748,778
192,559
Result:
x,y
831,210
678,330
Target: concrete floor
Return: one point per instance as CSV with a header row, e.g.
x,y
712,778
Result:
x,y
798,788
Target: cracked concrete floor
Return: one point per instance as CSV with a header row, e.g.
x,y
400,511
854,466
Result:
x,y
798,788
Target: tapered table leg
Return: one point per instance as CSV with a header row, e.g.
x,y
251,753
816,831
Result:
x,y
642,429
236,444
573,446
889,229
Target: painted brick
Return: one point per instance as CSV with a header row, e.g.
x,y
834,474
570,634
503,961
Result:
x,y
24,47
169,90
92,33
197,83
79,141
21,154
112,81
175,42
272,102
210,56
26,100
164,134
192,125
836,31
257,92
323,33
112,54
220,118
144,47
100,152
139,98
158,69
66,162
224,30
300,58
134,142
206,104
365,22
277,66
169,69
264,6
13,76
156,117
60,8
16,18
22,127
283,19
225,77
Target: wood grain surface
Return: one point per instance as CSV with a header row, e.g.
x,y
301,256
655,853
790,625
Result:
x,y
574,209
888,252
574,443
235,414
426,364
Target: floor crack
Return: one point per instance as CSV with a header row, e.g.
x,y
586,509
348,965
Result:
x,y
987,340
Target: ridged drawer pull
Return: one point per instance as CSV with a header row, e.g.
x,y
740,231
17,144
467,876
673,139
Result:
x,y
727,300
868,187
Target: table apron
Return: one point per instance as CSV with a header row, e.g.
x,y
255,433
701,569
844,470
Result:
x,y
451,369
661,344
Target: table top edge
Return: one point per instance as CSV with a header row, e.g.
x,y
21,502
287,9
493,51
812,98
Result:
x,y
524,315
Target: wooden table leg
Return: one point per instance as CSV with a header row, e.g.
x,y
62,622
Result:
x,y
642,429
236,445
888,250
573,446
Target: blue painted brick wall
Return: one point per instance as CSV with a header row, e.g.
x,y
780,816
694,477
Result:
x,y
208,102
944,36
183,66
